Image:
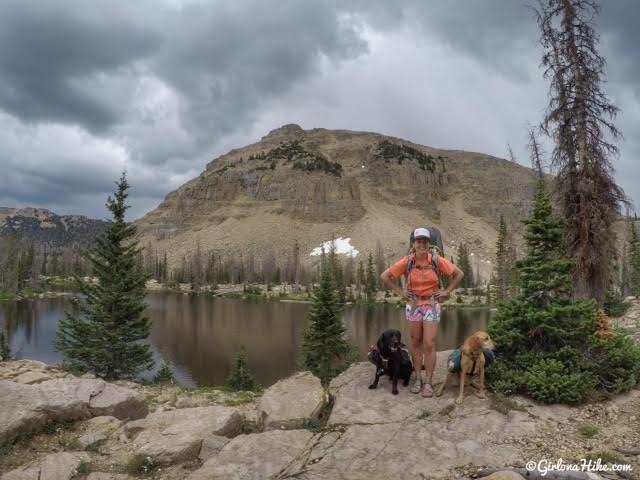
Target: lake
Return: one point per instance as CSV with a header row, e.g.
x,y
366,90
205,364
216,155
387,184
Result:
x,y
199,335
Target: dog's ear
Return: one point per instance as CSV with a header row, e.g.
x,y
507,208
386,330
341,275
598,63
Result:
x,y
474,343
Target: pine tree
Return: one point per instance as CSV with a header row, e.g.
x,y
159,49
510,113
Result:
x,y
380,265
337,274
465,265
5,348
360,277
106,336
10,263
325,352
502,269
545,339
634,260
241,377
579,119
370,281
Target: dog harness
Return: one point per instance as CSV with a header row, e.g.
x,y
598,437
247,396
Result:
x,y
373,349
455,359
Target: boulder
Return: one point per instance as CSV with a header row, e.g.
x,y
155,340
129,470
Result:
x,y
211,446
415,448
56,466
29,378
257,456
20,410
504,475
177,435
291,401
26,408
86,441
108,476
122,403
104,423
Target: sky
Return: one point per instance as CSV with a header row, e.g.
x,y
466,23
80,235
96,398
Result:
x,y
159,88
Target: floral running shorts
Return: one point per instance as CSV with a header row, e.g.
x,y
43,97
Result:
x,y
423,313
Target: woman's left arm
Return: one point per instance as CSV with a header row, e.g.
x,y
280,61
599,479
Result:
x,y
444,293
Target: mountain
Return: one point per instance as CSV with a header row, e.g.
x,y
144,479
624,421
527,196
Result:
x,y
311,186
47,230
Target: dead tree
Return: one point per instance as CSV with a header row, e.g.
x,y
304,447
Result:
x,y
579,119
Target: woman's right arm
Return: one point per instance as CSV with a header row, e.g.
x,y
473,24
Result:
x,y
388,279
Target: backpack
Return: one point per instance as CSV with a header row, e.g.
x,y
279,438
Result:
x,y
453,362
438,248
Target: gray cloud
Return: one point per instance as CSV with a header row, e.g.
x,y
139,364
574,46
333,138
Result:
x,y
49,50
161,88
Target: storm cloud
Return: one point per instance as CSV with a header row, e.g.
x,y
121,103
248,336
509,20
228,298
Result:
x,y
161,88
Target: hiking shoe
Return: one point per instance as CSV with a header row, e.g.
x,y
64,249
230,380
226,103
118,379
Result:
x,y
427,389
417,386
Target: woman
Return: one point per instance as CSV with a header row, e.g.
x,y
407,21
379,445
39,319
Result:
x,y
423,308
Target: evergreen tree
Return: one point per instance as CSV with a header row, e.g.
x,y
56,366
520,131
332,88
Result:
x,y
634,260
106,336
325,352
380,265
464,264
10,263
503,276
55,268
360,277
337,274
5,348
241,377
546,341
370,281
579,119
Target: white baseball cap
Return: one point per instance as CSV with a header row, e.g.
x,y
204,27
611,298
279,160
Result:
x,y
421,232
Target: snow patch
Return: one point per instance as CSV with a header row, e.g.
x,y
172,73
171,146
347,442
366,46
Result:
x,y
342,245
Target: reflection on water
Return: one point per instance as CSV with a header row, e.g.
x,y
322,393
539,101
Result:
x,y
199,336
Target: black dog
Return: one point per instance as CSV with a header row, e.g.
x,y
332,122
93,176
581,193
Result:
x,y
391,357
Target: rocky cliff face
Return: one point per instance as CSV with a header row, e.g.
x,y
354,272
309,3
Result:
x,y
46,229
315,185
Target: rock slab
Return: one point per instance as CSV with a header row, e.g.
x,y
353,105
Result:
x,y
291,401
26,408
258,456
177,435
56,466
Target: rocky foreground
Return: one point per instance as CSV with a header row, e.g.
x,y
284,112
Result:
x,y
57,426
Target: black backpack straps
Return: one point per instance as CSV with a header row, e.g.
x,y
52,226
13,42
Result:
x,y
434,260
410,264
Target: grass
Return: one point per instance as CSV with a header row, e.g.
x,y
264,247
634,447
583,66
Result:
x,y
503,404
50,428
141,465
587,430
248,426
606,457
447,410
83,469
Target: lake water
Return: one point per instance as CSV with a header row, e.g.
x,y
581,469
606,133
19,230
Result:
x,y
199,336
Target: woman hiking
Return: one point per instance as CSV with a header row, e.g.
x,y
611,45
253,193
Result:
x,y
421,268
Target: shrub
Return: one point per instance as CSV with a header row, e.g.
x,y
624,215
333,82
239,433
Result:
x,y
614,304
241,377
164,375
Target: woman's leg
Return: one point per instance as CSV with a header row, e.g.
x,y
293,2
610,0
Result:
x,y
415,329
429,332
